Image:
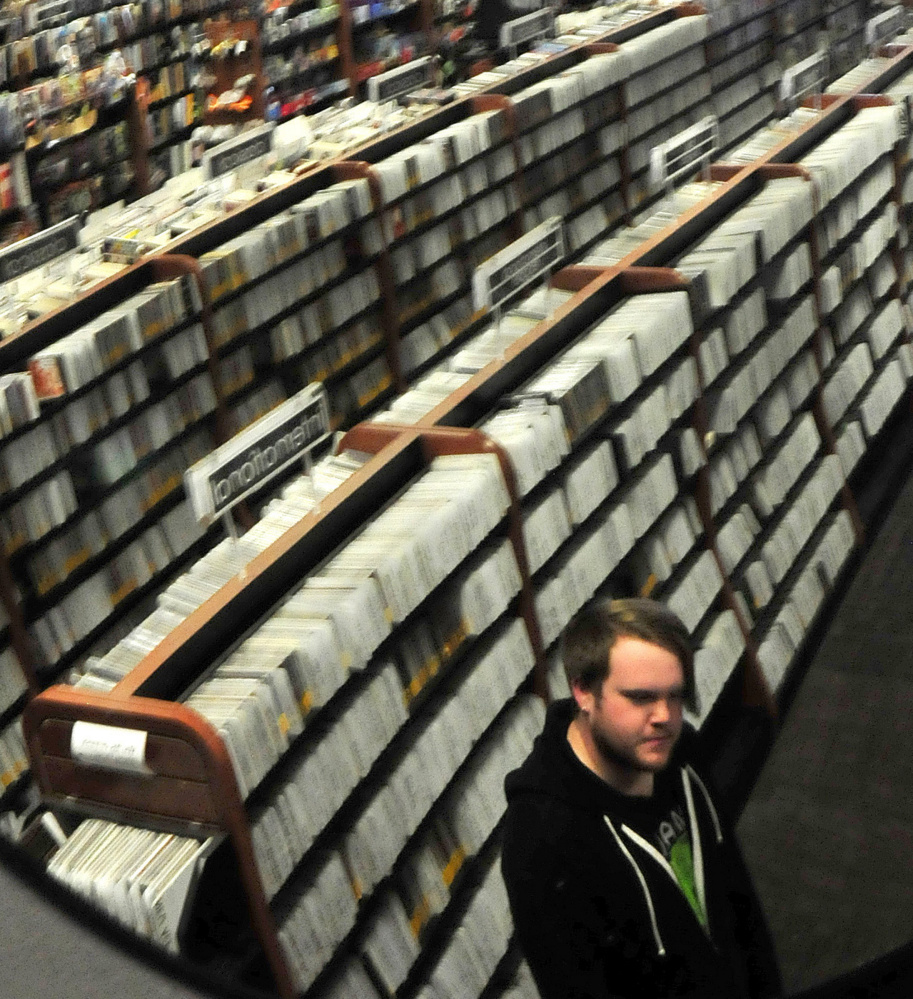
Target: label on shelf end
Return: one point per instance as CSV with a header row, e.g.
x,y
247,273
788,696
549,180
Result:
x,y
109,747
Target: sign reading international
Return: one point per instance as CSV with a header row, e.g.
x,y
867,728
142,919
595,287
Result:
x,y
40,249
526,260
402,80
249,460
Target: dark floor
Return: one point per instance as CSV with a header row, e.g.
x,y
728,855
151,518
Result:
x,y
828,829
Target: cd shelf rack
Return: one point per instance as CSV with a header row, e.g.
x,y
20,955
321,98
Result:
x,y
187,788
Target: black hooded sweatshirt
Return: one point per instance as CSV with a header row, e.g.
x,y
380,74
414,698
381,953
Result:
x,y
598,910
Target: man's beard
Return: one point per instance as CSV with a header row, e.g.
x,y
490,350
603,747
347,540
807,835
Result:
x,y
622,758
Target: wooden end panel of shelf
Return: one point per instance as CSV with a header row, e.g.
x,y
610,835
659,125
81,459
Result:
x,y
190,771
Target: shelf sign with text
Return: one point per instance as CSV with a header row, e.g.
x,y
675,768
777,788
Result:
x,y
40,249
402,80
684,153
529,27
805,77
526,260
286,434
884,27
235,153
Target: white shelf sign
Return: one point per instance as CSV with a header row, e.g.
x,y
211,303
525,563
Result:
x,y
884,27
286,434
109,747
402,80
684,153
526,260
805,77
539,24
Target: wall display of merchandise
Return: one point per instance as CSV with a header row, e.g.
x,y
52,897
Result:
x,y
292,59
311,723
302,58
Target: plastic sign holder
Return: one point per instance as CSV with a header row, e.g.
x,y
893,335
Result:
x,y
229,156
38,250
683,155
403,80
807,77
286,434
534,27
528,259
884,27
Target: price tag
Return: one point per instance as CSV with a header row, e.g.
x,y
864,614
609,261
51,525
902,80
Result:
x,y
38,250
884,27
109,747
403,80
805,77
526,260
684,153
228,156
284,435
538,24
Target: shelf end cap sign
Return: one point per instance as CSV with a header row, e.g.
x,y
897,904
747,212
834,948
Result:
x,y
40,249
538,24
109,747
403,80
684,153
526,259
250,459
884,27
799,80
236,152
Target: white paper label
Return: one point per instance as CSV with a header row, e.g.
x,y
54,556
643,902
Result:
x,y
109,747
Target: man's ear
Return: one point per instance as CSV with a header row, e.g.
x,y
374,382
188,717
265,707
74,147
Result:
x,y
585,698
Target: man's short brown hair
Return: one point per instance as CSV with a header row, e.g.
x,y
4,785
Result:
x,y
589,638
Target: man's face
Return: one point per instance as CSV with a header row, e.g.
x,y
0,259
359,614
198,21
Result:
x,y
636,717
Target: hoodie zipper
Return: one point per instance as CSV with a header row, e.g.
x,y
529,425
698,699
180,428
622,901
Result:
x,y
696,853
660,949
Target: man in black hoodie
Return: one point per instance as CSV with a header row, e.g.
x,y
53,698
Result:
x,y
624,882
